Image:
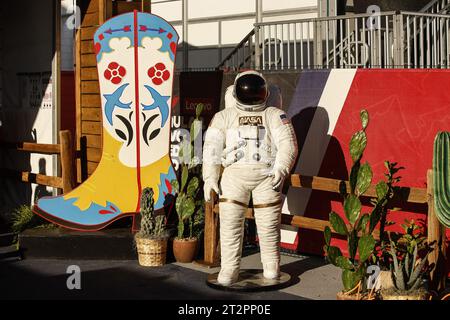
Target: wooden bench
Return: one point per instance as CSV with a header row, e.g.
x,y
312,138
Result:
x,y
404,197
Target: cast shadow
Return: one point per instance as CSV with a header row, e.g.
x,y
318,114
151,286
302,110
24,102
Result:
x,y
47,279
25,75
297,268
320,154
41,191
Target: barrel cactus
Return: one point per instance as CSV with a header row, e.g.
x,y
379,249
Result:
x,y
152,226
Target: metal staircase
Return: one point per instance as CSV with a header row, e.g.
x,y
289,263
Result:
x,y
436,6
386,40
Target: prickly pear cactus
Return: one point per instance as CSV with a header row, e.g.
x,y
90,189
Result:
x,y
361,243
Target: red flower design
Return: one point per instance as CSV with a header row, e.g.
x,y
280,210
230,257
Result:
x,y
158,73
115,73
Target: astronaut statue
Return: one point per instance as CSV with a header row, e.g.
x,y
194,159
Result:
x,y
256,145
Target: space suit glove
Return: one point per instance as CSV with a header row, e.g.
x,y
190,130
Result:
x,y
209,186
278,173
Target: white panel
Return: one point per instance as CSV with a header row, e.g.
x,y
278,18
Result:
x,y
316,143
203,34
211,8
285,4
234,31
310,159
288,236
170,11
290,17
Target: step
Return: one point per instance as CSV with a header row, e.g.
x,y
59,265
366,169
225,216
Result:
x,y
59,243
8,246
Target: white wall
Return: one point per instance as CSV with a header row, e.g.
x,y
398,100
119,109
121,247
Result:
x,y
67,34
237,16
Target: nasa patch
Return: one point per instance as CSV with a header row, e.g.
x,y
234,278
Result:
x,y
251,120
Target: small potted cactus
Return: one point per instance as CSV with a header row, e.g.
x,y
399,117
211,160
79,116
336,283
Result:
x,y
189,207
407,268
151,240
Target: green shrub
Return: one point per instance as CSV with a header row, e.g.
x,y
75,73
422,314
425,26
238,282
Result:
x,y
23,218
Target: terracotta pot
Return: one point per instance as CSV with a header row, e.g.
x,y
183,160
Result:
x,y
185,250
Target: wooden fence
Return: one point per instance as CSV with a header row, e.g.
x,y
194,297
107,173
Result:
x,y
404,197
66,153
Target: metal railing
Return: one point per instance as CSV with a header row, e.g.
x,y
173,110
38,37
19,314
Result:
x,y
426,40
436,6
385,40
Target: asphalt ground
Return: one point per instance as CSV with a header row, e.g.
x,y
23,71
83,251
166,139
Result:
x,y
312,278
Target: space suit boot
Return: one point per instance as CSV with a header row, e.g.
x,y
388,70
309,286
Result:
x,y
228,276
271,270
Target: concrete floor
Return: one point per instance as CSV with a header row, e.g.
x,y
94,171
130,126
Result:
x,y
312,277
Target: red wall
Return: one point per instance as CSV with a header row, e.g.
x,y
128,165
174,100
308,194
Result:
x,y
407,108
68,101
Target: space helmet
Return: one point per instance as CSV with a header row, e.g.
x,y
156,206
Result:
x,y
250,91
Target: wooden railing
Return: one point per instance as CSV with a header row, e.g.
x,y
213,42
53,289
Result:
x,y
65,151
403,198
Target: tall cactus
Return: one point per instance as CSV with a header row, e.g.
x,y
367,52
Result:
x,y
189,203
151,225
361,226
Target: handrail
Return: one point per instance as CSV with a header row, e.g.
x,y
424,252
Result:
x,y
361,15
238,46
429,5
431,15
432,4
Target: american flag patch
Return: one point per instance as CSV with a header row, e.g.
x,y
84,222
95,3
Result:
x,y
284,119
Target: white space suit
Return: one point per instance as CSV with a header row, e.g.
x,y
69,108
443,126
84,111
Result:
x,y
257,147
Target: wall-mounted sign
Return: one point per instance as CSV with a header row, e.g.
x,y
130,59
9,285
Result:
x,y
190,104
200,87
35,90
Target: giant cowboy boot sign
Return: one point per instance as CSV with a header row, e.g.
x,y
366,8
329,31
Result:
x,y
135,63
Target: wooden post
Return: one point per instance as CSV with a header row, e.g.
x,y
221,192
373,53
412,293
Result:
x,y
78,98
437,257
102,11
67,157
211,258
